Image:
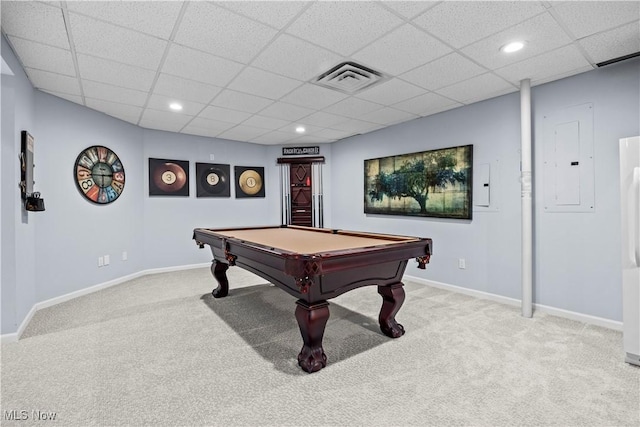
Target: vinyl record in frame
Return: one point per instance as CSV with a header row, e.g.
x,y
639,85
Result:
x,y
249,181
168,177
213,180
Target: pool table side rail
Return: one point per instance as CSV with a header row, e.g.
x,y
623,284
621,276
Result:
x,y
225,248
209,236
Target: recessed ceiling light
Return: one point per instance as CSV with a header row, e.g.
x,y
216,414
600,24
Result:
x,y
175,106
512,47
300,129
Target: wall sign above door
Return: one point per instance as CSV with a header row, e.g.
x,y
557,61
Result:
x,y
300,151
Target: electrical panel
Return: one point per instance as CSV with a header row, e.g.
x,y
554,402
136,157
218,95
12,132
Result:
x,y
568,172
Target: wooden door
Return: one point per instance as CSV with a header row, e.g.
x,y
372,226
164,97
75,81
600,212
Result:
x,y
301,199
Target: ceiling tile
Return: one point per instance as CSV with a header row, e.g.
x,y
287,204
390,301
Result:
x,y
240,101
265,122
343,27
156,18
282,110
105,71
198,131
311,139
313,96
35,21
584,18
422,104
388,116
390,92
162,102
332,134
546,66
324,119
242,133
296,58
460,23
163,120
127,113
213,127
200,66
541,34
213,29
73,98
44,80
224,115
275,137
409,9
186,90
477,88
43,57
274,13
353,126
108,41
401,50
353,107
443,72
613,44
263,83
112,93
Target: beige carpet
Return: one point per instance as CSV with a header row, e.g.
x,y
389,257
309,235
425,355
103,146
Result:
x,y
159,351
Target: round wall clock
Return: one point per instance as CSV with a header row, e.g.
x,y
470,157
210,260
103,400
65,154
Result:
x,y
99,174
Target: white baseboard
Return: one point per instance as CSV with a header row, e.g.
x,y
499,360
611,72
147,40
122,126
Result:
x,y
572,315
15,336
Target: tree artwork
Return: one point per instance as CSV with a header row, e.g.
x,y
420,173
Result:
x,y
432,183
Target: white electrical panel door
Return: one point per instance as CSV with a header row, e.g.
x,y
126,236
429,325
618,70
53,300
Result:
x,y
481,182
568,172
567,163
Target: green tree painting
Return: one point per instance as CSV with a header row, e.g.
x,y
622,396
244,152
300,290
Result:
x,y
432,183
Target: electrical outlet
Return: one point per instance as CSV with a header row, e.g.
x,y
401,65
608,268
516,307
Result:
x,y
100,261
462,264
106,260
124,255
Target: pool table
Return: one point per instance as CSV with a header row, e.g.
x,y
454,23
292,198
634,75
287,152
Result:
x,y
314,265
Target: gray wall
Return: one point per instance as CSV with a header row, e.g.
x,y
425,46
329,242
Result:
x,y
577,255
490,242
18,228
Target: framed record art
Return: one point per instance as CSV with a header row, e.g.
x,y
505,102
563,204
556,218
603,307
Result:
x,y
99,174
212,180
168,177
249,181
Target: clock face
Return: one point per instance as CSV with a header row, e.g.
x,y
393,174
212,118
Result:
x,y
99,174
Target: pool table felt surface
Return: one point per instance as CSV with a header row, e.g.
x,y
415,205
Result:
x,y
303,241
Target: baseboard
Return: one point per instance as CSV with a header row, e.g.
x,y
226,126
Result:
x,y
572,315
15,336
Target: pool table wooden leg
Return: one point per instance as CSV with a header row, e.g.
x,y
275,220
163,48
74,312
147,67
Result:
x,y
219,271
312,318
392,299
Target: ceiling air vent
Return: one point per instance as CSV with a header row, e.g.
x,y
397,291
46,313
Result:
x,y
349,77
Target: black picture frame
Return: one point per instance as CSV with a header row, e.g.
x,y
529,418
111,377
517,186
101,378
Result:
x,y
435,183
213,180
249,181
168,177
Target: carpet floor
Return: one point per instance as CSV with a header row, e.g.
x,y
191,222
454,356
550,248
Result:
x,y
160,351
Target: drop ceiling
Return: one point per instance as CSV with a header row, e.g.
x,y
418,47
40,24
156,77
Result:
x,y
245,70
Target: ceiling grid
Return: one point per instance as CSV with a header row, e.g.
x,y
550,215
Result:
x,y
245,70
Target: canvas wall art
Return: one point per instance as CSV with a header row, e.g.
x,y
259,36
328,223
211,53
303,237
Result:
x,y
435,183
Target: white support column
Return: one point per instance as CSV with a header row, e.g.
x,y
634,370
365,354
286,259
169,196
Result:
x,y
527,211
